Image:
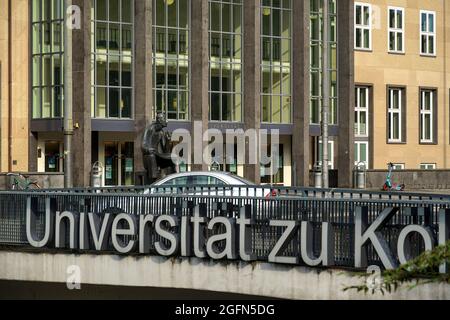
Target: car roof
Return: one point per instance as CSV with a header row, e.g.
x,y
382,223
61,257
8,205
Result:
x,y
215,174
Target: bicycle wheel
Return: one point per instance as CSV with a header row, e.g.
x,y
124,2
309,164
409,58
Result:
x,y
33,186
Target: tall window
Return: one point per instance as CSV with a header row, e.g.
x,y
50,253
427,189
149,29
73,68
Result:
x,y
395,115
112,58
362,112
427,116
171,58
363,26
396,29
428,33
276,61
47,58
225,60
316,94
362,153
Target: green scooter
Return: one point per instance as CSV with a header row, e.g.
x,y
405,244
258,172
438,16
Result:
x,y
388,186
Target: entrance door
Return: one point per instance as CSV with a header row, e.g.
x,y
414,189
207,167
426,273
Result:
x,y
119,163
52,156
111,164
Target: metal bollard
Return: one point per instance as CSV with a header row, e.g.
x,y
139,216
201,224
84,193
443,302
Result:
x,y
317,177
360,170
97,175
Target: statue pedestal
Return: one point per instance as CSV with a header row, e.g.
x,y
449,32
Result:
x,y
140,178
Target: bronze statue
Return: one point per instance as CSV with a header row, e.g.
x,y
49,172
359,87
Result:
x,y
157,150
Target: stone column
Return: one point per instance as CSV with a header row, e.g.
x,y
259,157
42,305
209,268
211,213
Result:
x,y
252,80
143,77
346,93
32,152
82,97
300,94
199,76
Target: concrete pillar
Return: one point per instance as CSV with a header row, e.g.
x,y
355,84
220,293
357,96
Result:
x,y
143,75
82,97
32,152
199,73
346,92
300,94
252,79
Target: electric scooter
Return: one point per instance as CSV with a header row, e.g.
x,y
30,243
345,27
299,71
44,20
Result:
x,y
388,186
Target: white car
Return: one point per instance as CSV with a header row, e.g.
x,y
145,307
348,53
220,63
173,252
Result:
x,y
209,184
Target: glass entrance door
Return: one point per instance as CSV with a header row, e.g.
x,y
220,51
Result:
x,y
119,163
111,164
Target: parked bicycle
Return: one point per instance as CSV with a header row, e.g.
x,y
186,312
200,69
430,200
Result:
x,y
22,182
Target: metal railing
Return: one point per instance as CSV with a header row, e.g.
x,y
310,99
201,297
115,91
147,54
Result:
x,y
339,211
262,190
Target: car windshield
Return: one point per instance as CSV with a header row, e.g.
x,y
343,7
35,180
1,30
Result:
x,y
242,180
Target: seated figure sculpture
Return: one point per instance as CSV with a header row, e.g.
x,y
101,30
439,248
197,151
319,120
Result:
x,y
156,150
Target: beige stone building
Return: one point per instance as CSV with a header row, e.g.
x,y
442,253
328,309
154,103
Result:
x,y
14,70
402,83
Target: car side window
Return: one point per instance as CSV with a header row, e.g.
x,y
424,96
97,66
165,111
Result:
x,y
200,180
216,182
206,180
181,181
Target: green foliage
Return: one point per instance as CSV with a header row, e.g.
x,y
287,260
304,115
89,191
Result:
x,y
422,270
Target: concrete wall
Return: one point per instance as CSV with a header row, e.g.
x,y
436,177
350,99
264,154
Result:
x,y
45,180
258,279
413,179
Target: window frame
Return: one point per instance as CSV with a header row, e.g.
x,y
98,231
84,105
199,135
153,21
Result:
x,y
359,110
390,115
427,33
109,55
428,166
272,65
166,56
331,144
401,166
433,116
222,63
358,153
363,27
395,30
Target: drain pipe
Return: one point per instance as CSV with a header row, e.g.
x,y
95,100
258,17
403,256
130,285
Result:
x,y
10,84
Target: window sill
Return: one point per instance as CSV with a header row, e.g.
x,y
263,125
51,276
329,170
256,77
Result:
x,y
363,50
397,53
424,55
425,143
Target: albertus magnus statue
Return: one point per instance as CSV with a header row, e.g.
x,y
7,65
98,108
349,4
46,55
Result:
x,y
157,150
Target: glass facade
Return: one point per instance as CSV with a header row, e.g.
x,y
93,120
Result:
x,y
276,105
316,36
225,60
112,58
47,58
171,24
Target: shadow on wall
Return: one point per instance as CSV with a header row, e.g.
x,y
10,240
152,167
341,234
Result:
x,y
51,291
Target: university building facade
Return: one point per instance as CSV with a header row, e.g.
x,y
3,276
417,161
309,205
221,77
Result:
x,y
224,64
231,64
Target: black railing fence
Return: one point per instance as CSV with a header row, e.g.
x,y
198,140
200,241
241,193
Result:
x,y
263,190
315,206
